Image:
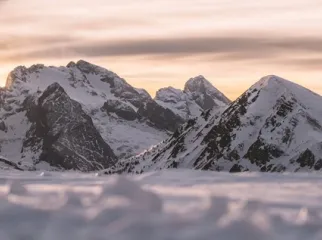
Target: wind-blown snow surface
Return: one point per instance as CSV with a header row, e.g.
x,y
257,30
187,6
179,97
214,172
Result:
x,y
178,205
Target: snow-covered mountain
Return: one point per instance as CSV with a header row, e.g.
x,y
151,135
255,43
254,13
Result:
x,y
81,116
276,125
198,95
82,111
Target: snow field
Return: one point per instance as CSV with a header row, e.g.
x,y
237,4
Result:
x,y
160,205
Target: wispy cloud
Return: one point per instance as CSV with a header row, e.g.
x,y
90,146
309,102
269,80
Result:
x,y
225,30
15,44
230,48
3,1
304,64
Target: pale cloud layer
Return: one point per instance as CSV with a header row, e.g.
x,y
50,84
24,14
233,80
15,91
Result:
x,y
161,42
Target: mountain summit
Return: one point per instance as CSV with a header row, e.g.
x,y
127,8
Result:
x,y
205,93
198,95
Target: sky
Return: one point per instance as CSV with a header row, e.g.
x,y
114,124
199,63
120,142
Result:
x,y
160,43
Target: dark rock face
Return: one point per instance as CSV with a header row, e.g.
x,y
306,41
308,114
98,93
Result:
x,y
318,165
236,169
120,109
260,153
161,117
3,126
2,94
10,164
306,159
64,134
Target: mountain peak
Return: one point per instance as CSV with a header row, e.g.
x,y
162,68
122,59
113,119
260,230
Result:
x,y
277,85
199,85
164,93
272,78
87,67
71,64
170,95
83,62
270,81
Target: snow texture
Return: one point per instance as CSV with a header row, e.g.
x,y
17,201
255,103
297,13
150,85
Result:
x,y
174,205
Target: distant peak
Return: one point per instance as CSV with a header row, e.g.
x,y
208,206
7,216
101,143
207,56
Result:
x,y
169,89
143,93
168,92
71,64
198,83
199,78
86,67
83,62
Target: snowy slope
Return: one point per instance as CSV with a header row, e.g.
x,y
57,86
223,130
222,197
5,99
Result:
x,y
187,139
179,102
198,95
273,126
176,205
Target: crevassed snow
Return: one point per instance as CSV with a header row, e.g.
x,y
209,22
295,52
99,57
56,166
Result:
x,y
178,205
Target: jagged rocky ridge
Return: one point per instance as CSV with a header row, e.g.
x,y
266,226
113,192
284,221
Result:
x,y
276,125
80,117
198,95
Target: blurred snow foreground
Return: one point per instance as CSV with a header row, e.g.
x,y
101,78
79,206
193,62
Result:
x,y
179,205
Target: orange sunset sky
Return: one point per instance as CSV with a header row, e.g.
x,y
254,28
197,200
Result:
x,y
158,43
